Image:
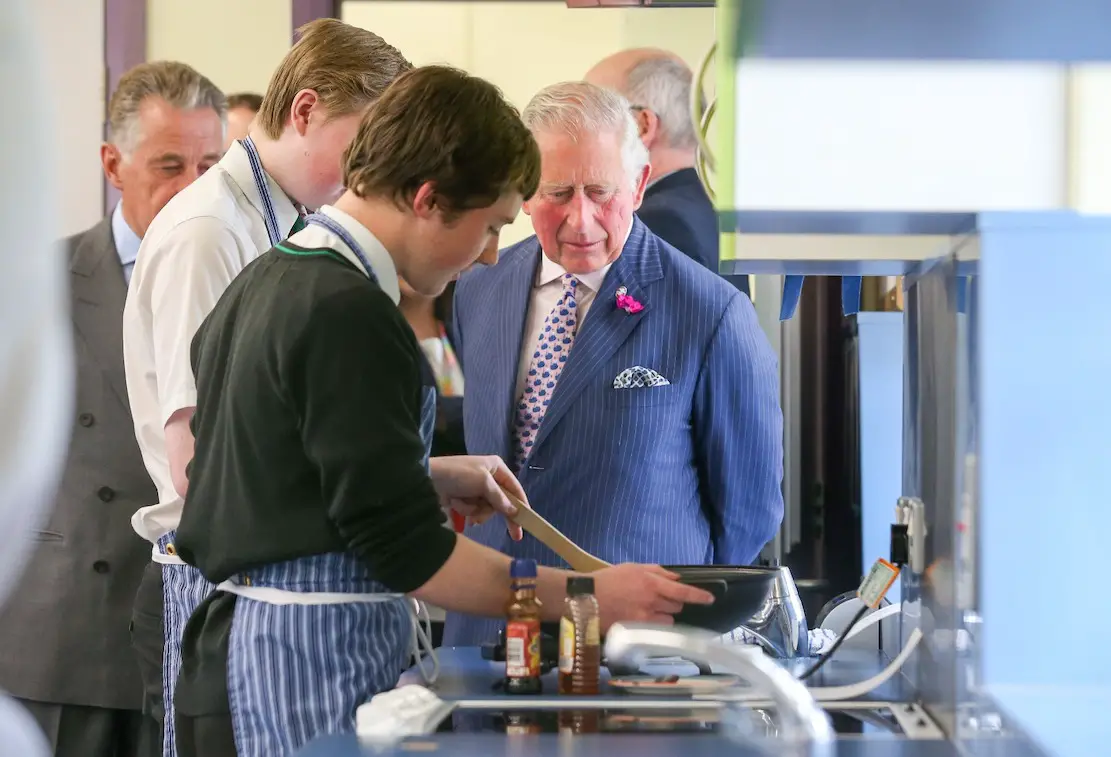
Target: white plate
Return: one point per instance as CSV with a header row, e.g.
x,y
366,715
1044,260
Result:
x,y
660,686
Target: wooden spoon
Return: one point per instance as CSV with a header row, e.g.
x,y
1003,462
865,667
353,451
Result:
x,y
550,536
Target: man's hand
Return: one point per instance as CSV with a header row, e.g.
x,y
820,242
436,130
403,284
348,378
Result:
x,y
472,486
643,593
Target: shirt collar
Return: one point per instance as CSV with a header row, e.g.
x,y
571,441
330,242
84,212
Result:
x,y
656,179
238,165
376,253
550,270
127,241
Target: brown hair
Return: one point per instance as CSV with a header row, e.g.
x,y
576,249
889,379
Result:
x,y
249,100
346,66
176,83
442,125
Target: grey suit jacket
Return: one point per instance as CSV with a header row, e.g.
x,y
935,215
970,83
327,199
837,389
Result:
x,y
64,633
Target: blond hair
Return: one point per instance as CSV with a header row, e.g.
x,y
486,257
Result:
x,y
178,84
346,66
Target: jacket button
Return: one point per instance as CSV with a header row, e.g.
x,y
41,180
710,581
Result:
x,y
86,419
106,494
100,566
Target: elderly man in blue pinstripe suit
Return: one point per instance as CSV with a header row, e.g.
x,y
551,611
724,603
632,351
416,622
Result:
x,y
630,388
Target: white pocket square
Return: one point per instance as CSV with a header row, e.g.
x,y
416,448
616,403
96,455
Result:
x,y
638,377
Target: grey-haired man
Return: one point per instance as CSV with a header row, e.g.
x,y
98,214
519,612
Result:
x,y
67,651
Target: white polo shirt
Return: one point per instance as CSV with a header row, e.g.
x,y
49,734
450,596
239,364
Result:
x,y
193,249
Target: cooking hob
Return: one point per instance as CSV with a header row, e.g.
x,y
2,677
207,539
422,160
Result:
x,y
614,717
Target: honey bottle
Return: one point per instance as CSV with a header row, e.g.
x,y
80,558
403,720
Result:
x,y
522,631
580,642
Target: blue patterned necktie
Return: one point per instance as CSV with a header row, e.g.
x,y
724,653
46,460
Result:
x,y
548,359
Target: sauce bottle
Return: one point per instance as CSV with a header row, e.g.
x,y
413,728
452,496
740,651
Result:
x,y
522,631
579,722
580,642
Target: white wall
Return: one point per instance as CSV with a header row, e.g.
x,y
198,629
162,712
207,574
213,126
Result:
x,y
521,47
236,43
1089,103
525,46
71,33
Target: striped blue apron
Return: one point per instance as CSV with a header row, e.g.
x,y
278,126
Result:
x,y
312,639
183,586
183,589
299,671
302,659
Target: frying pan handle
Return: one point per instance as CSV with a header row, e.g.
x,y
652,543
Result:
x,y
715,586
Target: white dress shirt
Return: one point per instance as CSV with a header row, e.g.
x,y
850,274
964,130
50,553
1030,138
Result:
x,y
546,291
36,333
193,249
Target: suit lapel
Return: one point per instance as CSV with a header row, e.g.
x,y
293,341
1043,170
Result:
x,y
606,326
509,331
99,291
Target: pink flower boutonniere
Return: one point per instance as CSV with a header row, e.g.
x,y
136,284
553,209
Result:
x,y
627,303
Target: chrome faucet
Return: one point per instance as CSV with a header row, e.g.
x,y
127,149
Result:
x,y
632,643
779,627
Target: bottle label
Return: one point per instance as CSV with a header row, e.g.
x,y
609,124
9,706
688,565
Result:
x,y
566,646
593,633
522,649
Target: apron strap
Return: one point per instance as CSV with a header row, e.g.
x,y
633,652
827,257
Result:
x,y
421,645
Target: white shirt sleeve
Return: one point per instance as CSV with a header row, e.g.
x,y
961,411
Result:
x,y
36,348
192,266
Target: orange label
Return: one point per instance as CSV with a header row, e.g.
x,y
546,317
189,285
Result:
x,y
877,582
522,649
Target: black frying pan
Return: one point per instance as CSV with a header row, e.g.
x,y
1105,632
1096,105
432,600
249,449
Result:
x,y
739,592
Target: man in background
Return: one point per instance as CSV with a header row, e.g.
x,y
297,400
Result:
x,y
676,207
630,389
242,109
66,650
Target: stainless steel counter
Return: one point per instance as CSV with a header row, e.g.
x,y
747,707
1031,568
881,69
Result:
x,y
466,677
654,745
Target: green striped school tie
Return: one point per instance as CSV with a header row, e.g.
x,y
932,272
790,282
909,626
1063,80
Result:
x,y
298,224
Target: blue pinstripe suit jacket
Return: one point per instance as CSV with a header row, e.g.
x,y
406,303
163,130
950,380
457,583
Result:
x,y
688,473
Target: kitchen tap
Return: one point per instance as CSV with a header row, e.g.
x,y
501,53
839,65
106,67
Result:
x,y
779,627
631,643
